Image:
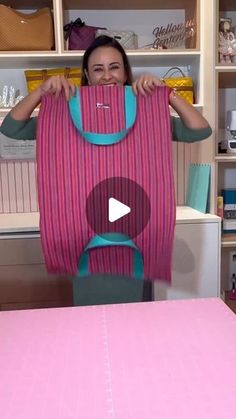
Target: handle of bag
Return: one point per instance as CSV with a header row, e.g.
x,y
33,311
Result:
x,y
108,240
104,139
69,26
176,70
67,72
44,73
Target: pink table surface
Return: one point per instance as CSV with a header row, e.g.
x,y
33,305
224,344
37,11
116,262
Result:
x,y
172,359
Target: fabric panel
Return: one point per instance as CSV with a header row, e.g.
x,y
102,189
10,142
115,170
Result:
x,y
69,168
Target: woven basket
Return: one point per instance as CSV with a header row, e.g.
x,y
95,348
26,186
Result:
x,y
34,78
183,85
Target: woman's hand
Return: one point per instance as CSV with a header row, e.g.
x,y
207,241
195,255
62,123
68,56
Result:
x,y
55,85
145,84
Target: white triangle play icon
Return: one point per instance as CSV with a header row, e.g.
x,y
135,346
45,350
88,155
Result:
x,y
117,210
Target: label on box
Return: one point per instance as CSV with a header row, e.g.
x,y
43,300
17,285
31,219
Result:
x,y
17,149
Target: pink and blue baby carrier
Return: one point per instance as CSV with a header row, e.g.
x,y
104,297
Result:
x,y
105,132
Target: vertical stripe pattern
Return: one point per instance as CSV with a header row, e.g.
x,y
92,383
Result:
x,y
18,192
68,168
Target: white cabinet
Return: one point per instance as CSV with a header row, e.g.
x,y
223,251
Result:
x,y
225,163
24,282
196,258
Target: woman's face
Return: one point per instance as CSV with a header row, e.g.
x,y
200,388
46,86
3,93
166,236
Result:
x,y
106,67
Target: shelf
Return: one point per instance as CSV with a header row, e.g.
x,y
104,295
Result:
x,y
19,223
227,78
29,222
27,4
226,158
163,58
128,4
228,240
137,57
227,5
226,67
34,59
186,214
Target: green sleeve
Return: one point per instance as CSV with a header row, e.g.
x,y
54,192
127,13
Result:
x,y
188,135
26,130
19,130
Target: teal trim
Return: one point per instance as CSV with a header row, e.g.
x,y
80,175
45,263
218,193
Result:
x,y
107,240
130,107
75,110
104,139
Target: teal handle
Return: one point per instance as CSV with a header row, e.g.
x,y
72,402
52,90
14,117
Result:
x,y
107,240
104,139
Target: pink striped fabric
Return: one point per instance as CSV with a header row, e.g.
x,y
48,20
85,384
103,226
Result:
x,y
68,168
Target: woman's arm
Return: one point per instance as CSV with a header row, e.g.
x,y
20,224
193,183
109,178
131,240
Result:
x,y
188,135
18,123
190,117
54,85
19,130
23,110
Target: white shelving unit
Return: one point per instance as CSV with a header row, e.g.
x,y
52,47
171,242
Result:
x,y
197,241
225,99
143,19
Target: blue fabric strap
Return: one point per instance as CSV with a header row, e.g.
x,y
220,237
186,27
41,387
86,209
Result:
x,y
104,139
107,240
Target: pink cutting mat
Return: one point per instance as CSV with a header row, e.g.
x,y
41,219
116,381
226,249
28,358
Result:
x,y
173,359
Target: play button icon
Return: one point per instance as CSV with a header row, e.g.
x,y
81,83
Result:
x,y
118,205
117,210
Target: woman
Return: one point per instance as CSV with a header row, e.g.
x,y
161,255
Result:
x,y
105,63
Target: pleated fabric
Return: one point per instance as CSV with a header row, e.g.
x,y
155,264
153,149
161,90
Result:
x,y
69,167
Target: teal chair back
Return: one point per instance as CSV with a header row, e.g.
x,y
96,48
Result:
x,y
110,288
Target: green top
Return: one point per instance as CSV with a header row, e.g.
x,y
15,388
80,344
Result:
x,y
26,130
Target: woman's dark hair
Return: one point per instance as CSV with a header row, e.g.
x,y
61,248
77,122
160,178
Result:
x,y
105,41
